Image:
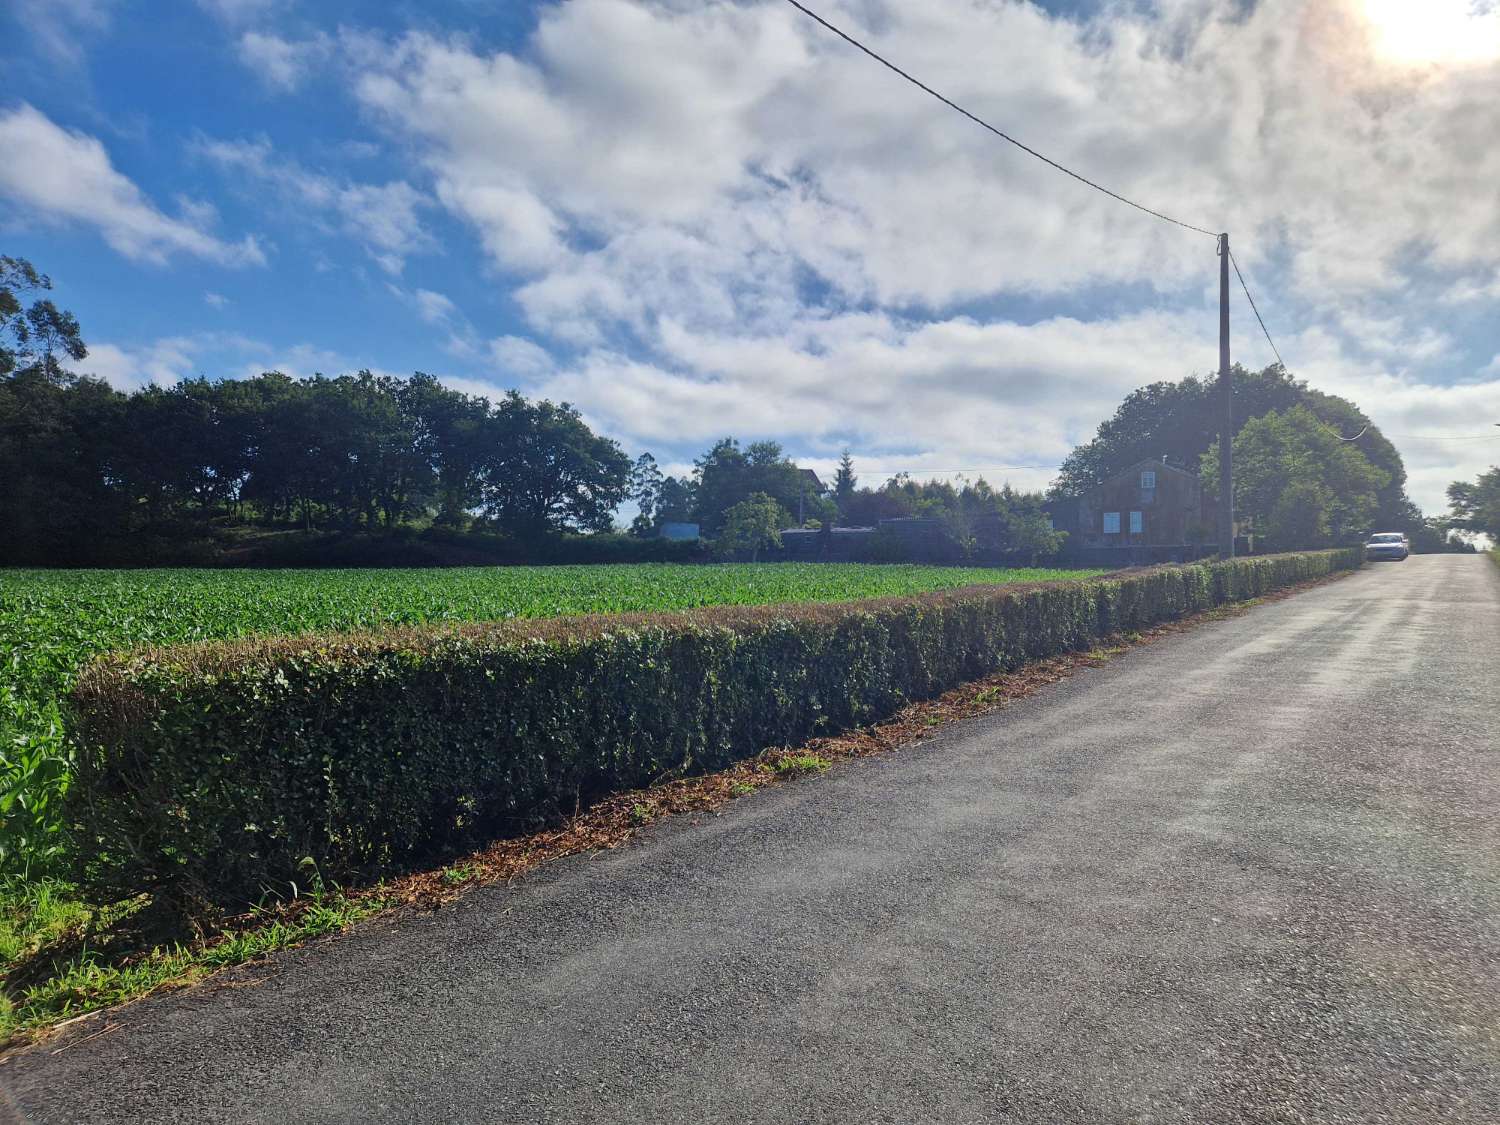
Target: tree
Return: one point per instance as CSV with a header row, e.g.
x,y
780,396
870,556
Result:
x,y
546,471
1181,421
726,474
1475,505
449,428
676,501
645,489
752,525
1300,485
1174,420
33,335
844,483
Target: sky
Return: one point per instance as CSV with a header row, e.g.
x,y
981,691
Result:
x,y
702,218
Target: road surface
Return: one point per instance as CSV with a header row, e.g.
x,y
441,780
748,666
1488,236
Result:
x,y
1248,873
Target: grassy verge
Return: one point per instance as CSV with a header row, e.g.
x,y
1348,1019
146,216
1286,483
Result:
x,y
62,959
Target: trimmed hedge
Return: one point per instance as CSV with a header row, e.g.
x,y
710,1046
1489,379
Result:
x,y
209,773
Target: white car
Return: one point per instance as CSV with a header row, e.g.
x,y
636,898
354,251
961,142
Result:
x,y
1387,545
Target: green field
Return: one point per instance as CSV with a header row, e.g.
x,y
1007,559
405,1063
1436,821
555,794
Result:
x,y
52,621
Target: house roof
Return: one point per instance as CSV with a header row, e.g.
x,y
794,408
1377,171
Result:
x,y
811,478
1153,463
1150,463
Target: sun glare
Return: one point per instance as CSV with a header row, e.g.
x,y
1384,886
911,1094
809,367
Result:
x,y
1440,32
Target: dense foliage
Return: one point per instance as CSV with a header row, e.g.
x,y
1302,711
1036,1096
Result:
x,y
83,467
1475,505
52,621
1297,484
211,772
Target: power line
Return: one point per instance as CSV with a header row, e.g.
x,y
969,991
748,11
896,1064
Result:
x,y
953,472
1274,350
986,125
1441,437
1277,351
1356,437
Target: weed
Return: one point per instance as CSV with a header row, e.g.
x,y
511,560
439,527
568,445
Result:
x,y
793,765
459,874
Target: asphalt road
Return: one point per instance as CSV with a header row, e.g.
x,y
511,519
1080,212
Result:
x,y
1248,873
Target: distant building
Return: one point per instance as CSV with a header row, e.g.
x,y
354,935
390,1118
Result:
x,y
1151,512
678,531
812,488
828,544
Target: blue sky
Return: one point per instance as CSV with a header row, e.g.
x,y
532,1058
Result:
x,y
694,219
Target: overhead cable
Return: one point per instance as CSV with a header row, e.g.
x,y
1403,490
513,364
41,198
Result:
x,y
883,61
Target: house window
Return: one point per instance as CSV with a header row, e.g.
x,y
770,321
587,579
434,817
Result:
x,y
1148,478
1111,523
1135,523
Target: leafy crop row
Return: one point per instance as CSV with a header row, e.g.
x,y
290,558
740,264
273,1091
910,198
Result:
x,y
52,622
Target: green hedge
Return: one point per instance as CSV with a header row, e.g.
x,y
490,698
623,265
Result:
x,y
208,773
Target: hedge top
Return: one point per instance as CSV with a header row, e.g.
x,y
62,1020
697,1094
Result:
x,y
113,675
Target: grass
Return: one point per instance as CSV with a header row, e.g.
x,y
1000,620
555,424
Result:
x,y
795,765
65,959
36,915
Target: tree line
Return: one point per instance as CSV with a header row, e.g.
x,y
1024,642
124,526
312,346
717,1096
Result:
x,y
743,496
80,461
85,469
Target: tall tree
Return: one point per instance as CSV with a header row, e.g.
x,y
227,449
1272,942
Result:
x,y
37,334
726,475
844,483
645,489
1299,483
547,471
1475,505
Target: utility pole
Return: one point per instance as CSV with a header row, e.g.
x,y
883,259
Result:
x,y
1226,411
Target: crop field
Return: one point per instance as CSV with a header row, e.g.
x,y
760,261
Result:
x,y
52,622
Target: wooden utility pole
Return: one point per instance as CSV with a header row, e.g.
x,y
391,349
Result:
x,y
1226,411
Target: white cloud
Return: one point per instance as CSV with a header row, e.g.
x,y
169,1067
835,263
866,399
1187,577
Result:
x,y
280,63
60,27
1302,141
435,308
215,300
61,175
164,361
382,216
519,357
239,11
